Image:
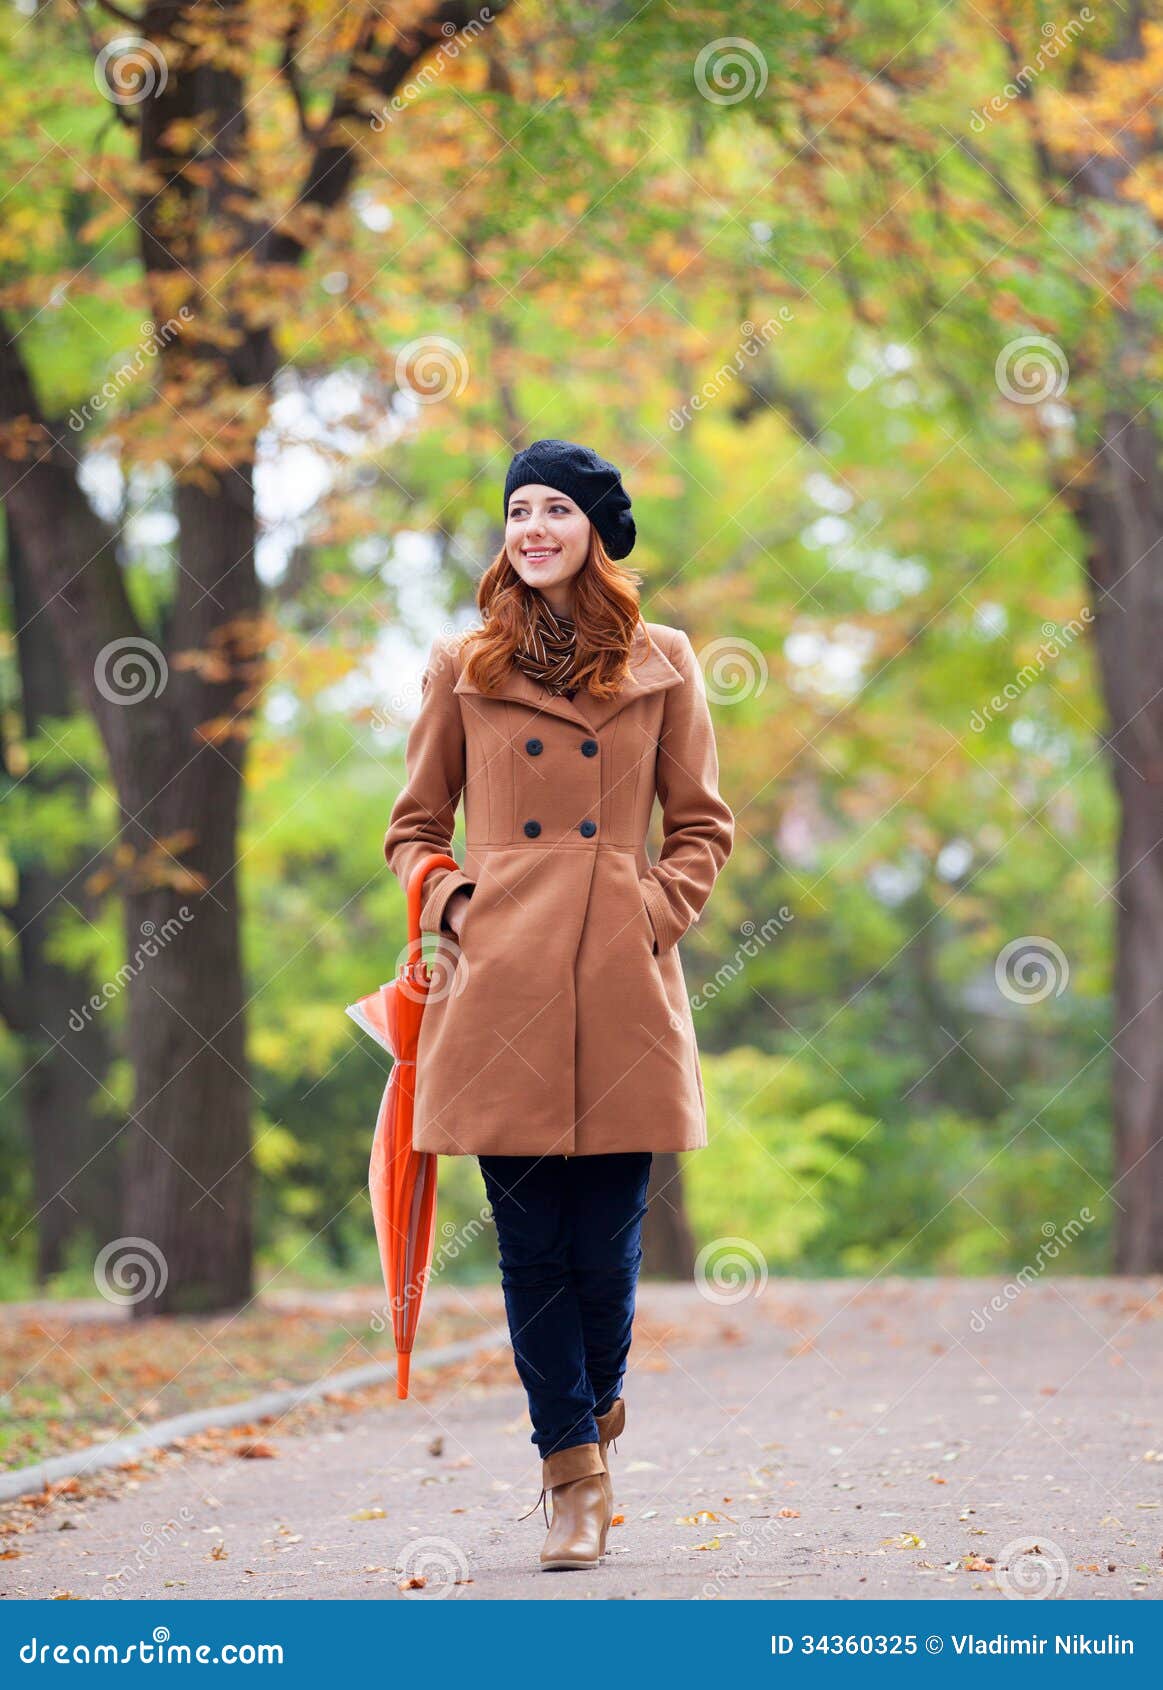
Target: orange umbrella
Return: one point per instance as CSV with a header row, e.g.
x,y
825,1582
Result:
x,y
402,1181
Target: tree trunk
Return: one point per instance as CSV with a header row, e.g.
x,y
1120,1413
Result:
x,y
668,1247
176,743
72,1138
189,1165
1120,510
189,1179
75,1152
175,733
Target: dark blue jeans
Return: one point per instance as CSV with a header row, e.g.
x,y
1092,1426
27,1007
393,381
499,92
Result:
x,y
569,1237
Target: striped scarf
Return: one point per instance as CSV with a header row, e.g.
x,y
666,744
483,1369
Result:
x,y
547,652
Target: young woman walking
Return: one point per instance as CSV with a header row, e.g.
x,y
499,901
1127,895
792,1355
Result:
x,y
560,1048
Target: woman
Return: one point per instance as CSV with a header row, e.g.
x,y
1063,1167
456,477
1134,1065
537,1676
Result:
x,y
558,1047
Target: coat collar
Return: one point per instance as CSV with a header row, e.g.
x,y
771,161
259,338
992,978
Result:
x,y
650,671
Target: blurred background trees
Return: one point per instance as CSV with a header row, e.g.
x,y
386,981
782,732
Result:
x,y
864,300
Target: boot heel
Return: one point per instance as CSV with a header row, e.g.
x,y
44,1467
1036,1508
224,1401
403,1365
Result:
x,y
610,1425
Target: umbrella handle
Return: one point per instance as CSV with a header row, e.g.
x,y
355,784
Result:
x,y
415,899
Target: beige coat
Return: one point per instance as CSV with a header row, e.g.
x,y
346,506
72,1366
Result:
x,y
560,1023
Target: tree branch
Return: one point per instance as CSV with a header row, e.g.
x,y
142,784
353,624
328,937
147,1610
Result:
x,y
373,75
289,69
134,22
767,391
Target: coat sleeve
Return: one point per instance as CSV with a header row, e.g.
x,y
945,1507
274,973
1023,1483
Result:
x,y
424,814
698,827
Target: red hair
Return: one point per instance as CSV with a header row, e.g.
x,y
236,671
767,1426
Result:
x,y
605,610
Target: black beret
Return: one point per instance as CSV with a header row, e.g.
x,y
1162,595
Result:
x,y
591,482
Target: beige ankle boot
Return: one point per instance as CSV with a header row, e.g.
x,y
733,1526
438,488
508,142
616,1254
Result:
x,y
611,1425
573,1479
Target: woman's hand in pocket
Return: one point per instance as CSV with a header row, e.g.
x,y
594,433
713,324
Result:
x,y
454,911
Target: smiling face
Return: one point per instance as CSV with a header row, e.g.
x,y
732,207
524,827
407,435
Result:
x,y
547,539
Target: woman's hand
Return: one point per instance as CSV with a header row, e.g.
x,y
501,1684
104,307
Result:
x,y
454,911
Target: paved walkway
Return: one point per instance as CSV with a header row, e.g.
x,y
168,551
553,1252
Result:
x,y
822,1439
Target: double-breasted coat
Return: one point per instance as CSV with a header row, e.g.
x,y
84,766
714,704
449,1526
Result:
x,y
563,1024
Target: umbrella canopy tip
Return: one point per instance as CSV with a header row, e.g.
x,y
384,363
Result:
x,y
403,1369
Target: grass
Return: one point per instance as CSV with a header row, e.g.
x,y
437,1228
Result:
x,y
70,1382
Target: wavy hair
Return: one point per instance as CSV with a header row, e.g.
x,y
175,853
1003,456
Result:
x,y
606,612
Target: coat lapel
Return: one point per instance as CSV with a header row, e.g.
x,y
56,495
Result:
x,y
650,671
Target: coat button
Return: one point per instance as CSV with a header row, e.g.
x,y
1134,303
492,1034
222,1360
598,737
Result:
x,y
588,829
589,747
534,747
533,829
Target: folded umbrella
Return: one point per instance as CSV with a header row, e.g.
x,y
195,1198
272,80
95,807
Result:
x,y
402,1181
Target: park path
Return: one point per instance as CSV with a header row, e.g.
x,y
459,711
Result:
x,y
819,1439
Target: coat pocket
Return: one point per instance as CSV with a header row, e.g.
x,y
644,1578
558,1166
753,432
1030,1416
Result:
x,y
649,921
458,939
